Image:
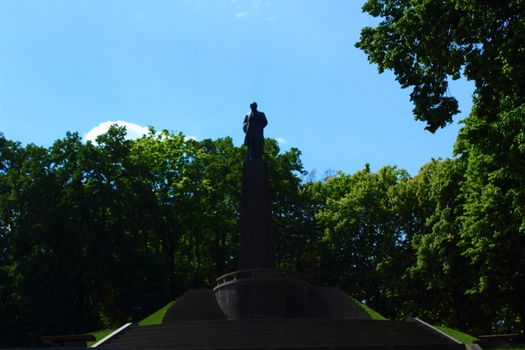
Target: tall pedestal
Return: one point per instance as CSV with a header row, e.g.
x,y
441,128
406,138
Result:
x,y
258,289
256,240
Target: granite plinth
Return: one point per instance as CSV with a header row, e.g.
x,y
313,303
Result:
x,y
256,237
262,293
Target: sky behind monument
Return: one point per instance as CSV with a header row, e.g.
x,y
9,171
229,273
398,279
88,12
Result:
x,y
195,66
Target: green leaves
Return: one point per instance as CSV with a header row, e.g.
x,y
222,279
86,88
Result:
x,y
425,43
99,234
364,231
94,235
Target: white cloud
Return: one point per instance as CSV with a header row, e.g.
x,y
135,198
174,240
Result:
x,y
247,7
242,14
133,130
281,141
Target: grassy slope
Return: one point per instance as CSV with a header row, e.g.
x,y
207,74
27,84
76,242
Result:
x,y
460,336
373,313
99,335
157,316
154,318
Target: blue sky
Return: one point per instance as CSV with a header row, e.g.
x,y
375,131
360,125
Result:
x,y
194,66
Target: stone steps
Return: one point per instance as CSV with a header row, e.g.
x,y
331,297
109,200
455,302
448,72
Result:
x,y
281,334
335,321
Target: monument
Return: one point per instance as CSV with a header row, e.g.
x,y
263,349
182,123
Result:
x,y
257,289
256,231
253,126
261,307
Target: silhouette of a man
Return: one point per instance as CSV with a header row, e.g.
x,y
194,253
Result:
x,y
253,126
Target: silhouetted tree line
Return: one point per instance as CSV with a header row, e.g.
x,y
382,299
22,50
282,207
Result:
x,y
93,235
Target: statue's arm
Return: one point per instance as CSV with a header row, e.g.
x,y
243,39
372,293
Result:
x,y
265,121
245,124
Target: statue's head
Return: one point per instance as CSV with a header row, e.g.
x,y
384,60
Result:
x,y
253,106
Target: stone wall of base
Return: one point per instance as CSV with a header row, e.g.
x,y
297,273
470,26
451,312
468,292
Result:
x,y
264,295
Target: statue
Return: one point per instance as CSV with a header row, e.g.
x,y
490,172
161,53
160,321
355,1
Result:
x,y
253,126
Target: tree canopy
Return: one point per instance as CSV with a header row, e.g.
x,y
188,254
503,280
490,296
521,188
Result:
x,y
426,43
95,235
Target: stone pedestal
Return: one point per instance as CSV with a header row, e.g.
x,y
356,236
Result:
x,y
257,289
262,293
256,239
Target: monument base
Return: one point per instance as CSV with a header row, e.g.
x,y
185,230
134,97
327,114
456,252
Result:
x,y
262,293
256,239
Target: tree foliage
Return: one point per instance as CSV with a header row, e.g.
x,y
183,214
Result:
x,y
426,43
94,235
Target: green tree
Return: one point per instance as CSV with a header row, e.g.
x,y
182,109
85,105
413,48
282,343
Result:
x,y
493,231
285,170
75,252
96,234
368,245
10,318
442,274
221,170
175,182
428,42
118,209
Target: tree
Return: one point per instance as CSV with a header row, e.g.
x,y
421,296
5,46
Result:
x,y
428,42
285,183
93,235
10,318
367,243
77,251
442,273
